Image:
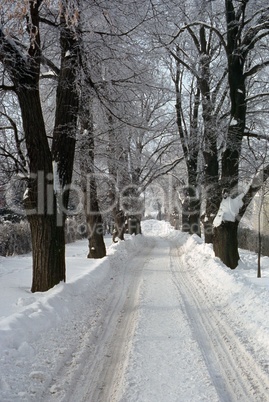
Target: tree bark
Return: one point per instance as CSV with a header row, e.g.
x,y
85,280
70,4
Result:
x,y
97,248
48,250
225,243
119,224
48,238
225,236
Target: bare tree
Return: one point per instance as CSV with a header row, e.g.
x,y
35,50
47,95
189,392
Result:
x,y
236,39
21,57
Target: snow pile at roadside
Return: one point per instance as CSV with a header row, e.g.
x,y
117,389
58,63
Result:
x,y
245,295
40,330
24,314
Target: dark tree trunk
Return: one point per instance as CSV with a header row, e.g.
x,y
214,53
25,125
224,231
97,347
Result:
x,y
208,230
119,224
213,199
97,248
191,207
48,249
133,206
194,216
225,236
95,226
134,225
213,192
46,221
210,153
48,240
118,171
226,244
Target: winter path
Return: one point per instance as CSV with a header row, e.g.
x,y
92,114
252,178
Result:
x,y
158,320
185,340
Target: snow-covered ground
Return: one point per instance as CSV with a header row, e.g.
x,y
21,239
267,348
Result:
x,y
160,319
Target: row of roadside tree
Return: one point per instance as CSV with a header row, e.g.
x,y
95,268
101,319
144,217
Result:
x,y
101,100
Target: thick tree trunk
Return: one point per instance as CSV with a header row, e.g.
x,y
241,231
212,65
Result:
x,y
225,236
48,250
48,240
225,243
210,152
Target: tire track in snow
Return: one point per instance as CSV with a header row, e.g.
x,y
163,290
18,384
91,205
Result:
x,y
166,364
235,374
93,370
112,374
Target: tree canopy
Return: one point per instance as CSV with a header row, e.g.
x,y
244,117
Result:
x,y
130,94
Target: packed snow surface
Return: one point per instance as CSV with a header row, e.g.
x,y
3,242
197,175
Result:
x,y
160,319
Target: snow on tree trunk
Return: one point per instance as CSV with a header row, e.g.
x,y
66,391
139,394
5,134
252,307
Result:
x,y
225,243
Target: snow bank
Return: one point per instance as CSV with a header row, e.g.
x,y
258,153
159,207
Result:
x,y
24,315
39,312
245,295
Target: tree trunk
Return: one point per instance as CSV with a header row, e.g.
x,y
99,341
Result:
x,y
47,230
210,153
134,225
191,207
48,240
119,224
213,199
194,217
97,248
225,243
208,231
185,215
225,236
48,250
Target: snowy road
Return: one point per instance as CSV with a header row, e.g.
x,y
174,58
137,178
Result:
x,y
159,319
